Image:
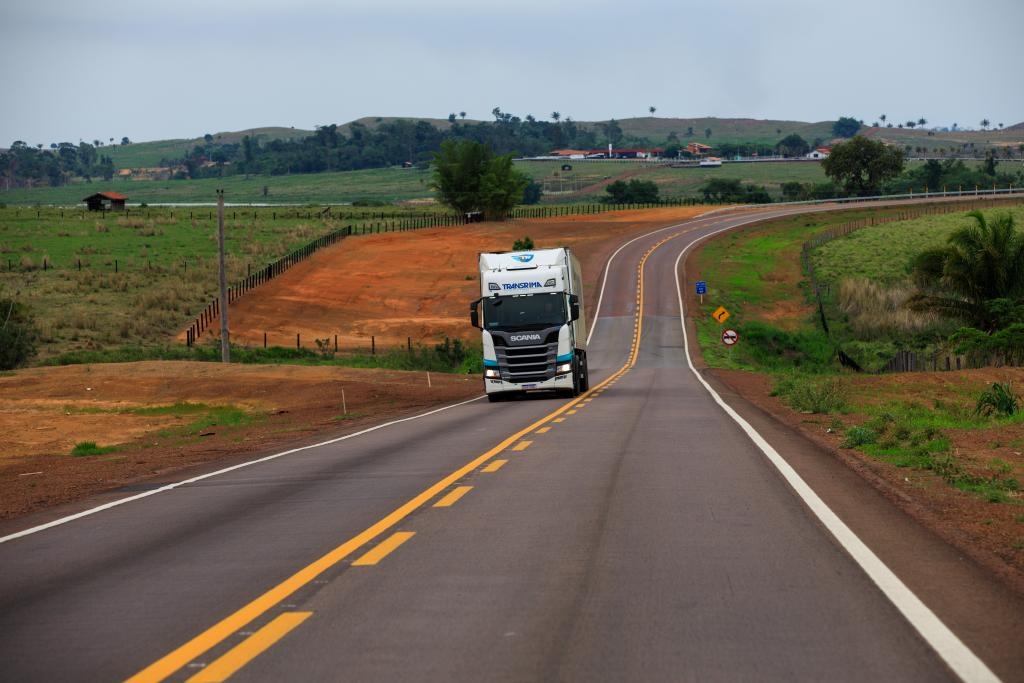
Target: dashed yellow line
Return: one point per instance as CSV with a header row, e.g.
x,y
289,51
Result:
x,y
453,497
234,659
386,547
522,445
544,430
230,625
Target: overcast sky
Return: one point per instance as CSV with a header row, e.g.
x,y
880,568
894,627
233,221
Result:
x,y
95,69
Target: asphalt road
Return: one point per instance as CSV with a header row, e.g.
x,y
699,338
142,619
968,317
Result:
x,y
638,533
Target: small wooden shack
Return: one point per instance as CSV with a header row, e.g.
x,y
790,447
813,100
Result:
x,y
106,201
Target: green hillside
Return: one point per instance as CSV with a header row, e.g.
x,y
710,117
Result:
x,y
151,154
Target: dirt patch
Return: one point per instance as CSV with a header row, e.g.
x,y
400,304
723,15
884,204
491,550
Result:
x,y
48,411
397,288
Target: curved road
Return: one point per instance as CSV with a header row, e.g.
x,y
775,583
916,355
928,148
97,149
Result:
x,y
640,532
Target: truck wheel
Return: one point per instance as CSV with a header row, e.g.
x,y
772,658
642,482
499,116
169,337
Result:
x,y
496,398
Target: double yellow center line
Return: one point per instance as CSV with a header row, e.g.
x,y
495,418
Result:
x,y
283,623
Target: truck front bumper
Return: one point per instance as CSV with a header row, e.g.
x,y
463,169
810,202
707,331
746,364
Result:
x,y
556,383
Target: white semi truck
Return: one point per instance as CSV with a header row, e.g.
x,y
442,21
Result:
x,y
530,312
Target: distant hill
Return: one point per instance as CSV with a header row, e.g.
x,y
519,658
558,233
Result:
x,y
150,154
650,130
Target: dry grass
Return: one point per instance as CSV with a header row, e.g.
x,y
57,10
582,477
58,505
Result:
x,y
876,311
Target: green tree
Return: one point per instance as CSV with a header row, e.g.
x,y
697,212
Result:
x,y
18,335
792,146
533,192
861,165
468,177
989,166
932,172
845,127
613,132
978,277
634,192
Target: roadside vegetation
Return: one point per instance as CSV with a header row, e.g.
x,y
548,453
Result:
x,y
191,420
924,285
73,281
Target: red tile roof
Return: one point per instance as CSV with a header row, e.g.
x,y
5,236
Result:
x,y
113,196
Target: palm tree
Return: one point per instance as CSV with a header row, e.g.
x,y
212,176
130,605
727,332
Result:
x,y
922,121
555,116
652,109
882,118
984,124
981,263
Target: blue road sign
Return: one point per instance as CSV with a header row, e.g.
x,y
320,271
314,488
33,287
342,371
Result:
x,y
702,287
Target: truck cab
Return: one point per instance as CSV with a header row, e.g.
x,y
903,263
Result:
x,y
531,319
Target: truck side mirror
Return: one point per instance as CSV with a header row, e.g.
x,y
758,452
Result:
x,y
474,313
574,306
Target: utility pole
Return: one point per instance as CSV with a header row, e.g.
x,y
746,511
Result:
x,y
225,343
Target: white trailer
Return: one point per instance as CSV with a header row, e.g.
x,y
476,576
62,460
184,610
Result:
x,y
534,331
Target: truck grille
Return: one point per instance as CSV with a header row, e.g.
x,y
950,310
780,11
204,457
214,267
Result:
x,y
521,364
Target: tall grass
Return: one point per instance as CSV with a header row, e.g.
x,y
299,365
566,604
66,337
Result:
x,y
877,311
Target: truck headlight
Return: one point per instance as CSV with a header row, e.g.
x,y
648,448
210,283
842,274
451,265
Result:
x,y
492,373
563,368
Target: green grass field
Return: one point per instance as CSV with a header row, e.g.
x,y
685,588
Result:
x,y
744,271
115,279
321,189
583,184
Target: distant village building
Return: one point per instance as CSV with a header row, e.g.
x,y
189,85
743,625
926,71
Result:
x,y
820,153
105,201
698,149
610,153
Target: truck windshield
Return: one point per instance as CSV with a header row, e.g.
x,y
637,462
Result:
x,y
524,312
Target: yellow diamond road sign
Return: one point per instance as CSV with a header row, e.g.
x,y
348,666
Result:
x,y
720,314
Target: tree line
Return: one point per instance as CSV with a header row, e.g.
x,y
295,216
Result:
x,y
23,165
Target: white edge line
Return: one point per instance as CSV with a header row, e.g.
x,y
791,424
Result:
x,y
608,264
964,663
170,487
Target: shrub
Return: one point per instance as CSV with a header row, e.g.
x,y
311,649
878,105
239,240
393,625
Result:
x,y
87,448
998,399
524,244
18,334
859,436
812,394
